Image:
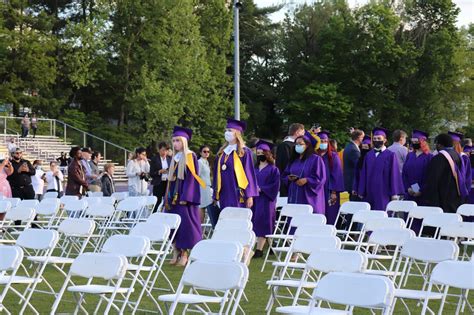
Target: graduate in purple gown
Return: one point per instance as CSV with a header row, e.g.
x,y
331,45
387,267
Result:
x,y
468,150
380,179
334,179
365,147
466,169
305,176
268,180
183,195
234,182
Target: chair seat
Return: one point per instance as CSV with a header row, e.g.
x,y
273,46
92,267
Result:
x,y
292,265
190,298
379,257
291,283
468,243
301,309
3,241
51,260
279,236
95,289
281,249
18,280
156,252
385,273
133,267
417,294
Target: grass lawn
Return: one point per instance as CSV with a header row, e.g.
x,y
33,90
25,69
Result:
x,y
256,291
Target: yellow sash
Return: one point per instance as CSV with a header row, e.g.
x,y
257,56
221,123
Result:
x,y
318,140
242,180
192,169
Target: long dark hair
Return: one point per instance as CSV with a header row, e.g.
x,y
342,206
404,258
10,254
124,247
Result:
x,y
307,153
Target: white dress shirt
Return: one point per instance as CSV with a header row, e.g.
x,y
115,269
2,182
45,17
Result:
x,y
53,183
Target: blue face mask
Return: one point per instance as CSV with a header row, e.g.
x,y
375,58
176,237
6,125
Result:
x,y
323,146
299,148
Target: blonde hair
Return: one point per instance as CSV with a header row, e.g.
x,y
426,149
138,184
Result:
x,y
182,160
108,166
240,144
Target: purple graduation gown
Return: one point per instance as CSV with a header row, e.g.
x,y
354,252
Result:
x,y
467,171
230,193
334,182
414,171
380,179
312,193
471,194
189,232
263,219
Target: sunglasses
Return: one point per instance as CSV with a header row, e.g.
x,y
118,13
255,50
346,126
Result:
x,y
205,151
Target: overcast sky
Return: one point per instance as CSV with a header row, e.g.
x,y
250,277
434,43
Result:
x,y
465,17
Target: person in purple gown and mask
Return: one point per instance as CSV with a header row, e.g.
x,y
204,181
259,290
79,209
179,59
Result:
x,y
305,175
268,181
183,195
468,150
466,164
334,179
234,182
380,179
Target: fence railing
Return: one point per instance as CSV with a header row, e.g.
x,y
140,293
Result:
x,y
69,135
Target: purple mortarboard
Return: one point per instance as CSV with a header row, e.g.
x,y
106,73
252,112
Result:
x,y
182,132
324,134
264,145
467,149
419,134
236,124
310,137
379,131
367,140
456,136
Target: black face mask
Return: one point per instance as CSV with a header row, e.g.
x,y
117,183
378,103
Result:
x,y
377,144
416,146
261,158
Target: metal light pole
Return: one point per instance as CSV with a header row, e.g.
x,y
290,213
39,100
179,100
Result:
x,y
237,5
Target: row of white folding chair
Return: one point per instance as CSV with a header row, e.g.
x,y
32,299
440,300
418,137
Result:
x,y
359,218
462,232
438,220
15,221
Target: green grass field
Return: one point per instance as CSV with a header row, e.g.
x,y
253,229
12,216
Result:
x,y
256,292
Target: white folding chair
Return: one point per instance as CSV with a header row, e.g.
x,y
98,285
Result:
x,y
353,237
438,220
95,194
234,224
5,206
235,213
456,274
400,208
244,237
92,266
420,212
50,194
119,196
66,198
75,208
110,200
463,231
10,261
170,219
150,202
466,210
15,221
281,201
47,212
132,208
28,203
13,201
349,208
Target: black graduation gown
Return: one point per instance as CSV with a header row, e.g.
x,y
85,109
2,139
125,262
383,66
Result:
x,y
283,154
440,186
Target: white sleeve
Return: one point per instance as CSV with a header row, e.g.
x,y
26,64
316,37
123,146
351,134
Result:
x,y
131,172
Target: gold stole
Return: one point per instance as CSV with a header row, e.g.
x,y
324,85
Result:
x,y
192,169
242,180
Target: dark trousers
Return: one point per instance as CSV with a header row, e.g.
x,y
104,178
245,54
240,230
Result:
x,y
34,131
159,192
24,132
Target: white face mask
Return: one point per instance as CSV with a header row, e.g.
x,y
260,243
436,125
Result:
x,y
229,136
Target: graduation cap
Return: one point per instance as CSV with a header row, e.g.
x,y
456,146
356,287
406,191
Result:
x,y
182,132
236,124
264,145
367,140
419,134
456,136
310,137
324,134
379,131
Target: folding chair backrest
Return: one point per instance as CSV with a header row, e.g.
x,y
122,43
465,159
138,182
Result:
x,y
352,207
217,251
48,208
421,212
310,219
235,213
391,236
460,229
100,210
38,239
99,265
355,289
75,205
14,201
170,219
77,227
466,209
5,206
291,210
215,276
317,230
307,244
363,216
119,196
127,245
430,250
243,237
156,232
95,194
151,201
10,257
93,201
440,219
64,199
20,214
385,223
331,260
401,206
130,204
29,203
234,224
50,195
54,201
110,200
458,274
281,201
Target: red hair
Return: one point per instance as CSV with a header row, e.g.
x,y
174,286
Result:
x,y
457,147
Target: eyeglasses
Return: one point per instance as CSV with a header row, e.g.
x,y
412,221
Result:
x,y
205,151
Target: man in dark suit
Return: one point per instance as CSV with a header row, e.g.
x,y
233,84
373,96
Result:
x,y
284,150
350,157
159,165
76,180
